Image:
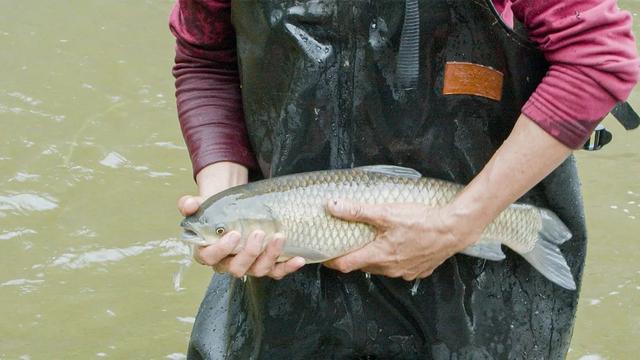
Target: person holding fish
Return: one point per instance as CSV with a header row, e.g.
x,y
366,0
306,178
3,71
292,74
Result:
x,y
447,113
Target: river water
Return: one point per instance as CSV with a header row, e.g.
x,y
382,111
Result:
x,y
92,162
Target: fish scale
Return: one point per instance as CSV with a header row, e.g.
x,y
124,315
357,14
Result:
x,y
295,205
301,206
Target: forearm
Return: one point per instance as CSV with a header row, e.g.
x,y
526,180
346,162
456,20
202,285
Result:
x,y
527,156
208,85
220,176
210,111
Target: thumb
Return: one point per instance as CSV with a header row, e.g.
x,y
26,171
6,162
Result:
x,y
187,205
376,215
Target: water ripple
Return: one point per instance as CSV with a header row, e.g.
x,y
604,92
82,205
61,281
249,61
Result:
x,y
85,232
73,261
22,177
176,356
80,173
19,111
591,357
114,160
629,207
21,282
186,319
7,235
159,174
25,98
169,145
23,203
78,261
25,285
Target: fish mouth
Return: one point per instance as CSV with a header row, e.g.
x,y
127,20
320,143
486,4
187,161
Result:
x,y
191,236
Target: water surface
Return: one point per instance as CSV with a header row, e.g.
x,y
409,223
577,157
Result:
x,y
92,162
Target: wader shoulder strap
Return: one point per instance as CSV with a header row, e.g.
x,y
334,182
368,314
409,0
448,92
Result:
x,y
624,113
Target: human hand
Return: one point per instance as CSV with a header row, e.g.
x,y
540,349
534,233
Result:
x,y
254,258
412,240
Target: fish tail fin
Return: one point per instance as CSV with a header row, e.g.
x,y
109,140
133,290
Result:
x,y
546,256
553,229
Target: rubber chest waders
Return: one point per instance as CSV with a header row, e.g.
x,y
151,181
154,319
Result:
x,y
327,84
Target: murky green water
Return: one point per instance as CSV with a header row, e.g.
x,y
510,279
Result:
x,y
91,163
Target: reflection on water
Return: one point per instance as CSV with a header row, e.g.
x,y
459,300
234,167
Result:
x,y
176,356
21,177
24,285
592,357
631,208
170,248
91,164
25,203
6,235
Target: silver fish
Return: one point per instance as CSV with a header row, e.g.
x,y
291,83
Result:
x,y
294,205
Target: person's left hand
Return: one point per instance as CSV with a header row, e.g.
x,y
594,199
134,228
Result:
x,y
411,241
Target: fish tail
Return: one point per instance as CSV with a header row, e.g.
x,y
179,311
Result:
x,y
546,256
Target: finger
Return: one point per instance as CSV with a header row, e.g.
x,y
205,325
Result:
x,y
196,254
410,276
376,215
374,270
223,265
386,270
425,274
241,263
267,260
189,204
212,254
281,270
355,260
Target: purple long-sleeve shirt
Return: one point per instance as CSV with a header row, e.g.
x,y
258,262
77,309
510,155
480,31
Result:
x,y
588,43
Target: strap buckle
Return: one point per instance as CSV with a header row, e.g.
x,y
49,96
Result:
x,y
599,138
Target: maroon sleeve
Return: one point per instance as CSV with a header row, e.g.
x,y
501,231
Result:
x,y
593,63
207,84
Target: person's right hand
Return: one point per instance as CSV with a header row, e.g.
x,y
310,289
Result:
x,y
254,259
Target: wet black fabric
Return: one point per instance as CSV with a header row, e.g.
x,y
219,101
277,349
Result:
x,y
319,92
626,115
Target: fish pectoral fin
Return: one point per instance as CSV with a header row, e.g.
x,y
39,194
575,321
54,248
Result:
x,y
489,251
283,258
310,255
391,170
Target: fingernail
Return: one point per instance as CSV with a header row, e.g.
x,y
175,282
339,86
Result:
x,y
277,242
299,261
258,239
233,237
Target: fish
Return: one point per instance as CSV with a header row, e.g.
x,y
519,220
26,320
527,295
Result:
x,y
295,206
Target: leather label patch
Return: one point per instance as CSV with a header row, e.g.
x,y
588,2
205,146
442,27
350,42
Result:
x,y
462,78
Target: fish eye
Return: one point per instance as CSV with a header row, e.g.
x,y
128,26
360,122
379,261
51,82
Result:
x,y
220,230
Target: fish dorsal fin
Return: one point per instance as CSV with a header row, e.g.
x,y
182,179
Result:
x,y
391,170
